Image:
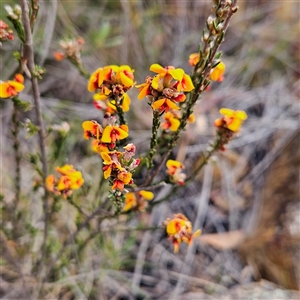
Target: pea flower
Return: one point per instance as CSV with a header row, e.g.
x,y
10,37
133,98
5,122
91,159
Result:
x,y
137,200
11,88
118,166
172,121
69,180
165,89
232,119
217,73
110,85
179,229
174,170
194,58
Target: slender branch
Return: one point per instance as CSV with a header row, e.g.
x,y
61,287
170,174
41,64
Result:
x,y
200,87
15,133
203,161
28,54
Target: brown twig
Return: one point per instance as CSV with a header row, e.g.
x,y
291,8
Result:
x,y
28,55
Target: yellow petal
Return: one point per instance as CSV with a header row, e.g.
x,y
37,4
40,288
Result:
x,y
99,96
235,125
241,115
227,112
106,136
187,83
146,194
156,68
107,172
106,158
177,74
4,87
174,163
172,105
143,92
123,134
157,104
126,102
18,87
175,123
130,201
126,80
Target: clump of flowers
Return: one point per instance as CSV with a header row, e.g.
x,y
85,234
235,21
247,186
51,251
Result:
x,y
69,180
166,89
137,200
172,120
5,32
105,136
118,166
110,85
174,170
71,49
228,125
11,88
232,119
179,229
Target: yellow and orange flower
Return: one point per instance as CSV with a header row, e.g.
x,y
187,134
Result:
x,y
111,84
124,74
144,88
69,180
97,78
164,104
194,58
232,120
174,170
179,229
11,88
137,200
172,121
111,134
91,129
111,162
217,73
122,179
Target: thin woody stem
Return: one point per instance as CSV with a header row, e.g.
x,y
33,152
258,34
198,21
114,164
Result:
x,y
15,133
28,54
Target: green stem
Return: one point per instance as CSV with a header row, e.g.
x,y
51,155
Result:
x,y
120,113
153,142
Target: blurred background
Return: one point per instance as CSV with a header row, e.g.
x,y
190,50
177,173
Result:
x,y
246,202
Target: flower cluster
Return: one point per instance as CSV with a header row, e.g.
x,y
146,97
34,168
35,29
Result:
x,y
172,120
137,200
106,136
179,229
69,180
216,73
174,170
5,32
13,13
70,48
11,88
110,85
232,119
165,89
118,166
